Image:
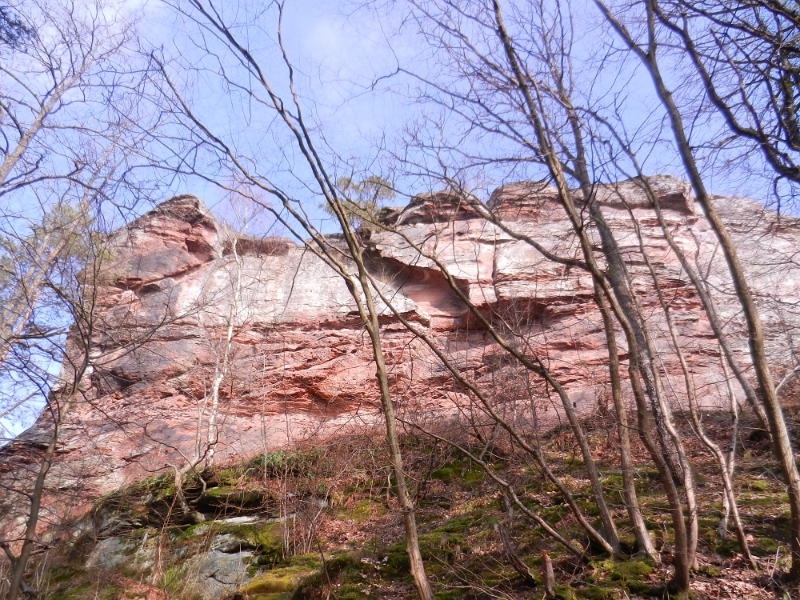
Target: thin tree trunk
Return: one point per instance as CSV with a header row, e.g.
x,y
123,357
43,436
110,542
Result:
x,y
15,312
406,506
730,460
619,278
729,464
45,110
516,562
617,274
361,292
221,367
548,576
21,563
682,562
643,540
295,124
708,304
683,460
532,450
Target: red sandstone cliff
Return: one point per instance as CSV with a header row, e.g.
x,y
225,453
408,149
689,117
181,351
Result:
x,y
301,362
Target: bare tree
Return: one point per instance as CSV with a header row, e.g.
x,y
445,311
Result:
x,y
221,311
346,259
647,51
72,287
745,56
520,90
71,115
73,157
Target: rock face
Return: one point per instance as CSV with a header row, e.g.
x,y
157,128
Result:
x,y
300,363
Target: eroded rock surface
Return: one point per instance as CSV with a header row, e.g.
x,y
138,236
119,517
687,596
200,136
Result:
x,y
301,363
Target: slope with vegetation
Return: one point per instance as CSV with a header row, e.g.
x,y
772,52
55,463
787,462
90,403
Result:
x,y
321,523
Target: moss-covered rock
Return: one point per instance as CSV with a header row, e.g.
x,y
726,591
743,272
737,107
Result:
x,y
610,574
231,498
279,580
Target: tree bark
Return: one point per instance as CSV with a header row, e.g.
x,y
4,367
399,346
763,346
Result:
x,y
548,576
643,540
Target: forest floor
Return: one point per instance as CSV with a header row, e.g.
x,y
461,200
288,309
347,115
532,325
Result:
x,y
321,522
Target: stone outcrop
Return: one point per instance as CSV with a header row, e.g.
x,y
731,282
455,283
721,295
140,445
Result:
x,y
301,363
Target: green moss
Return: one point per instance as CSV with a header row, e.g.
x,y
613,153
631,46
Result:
x,y
337,567
396,560
188,533
565,592
448,595
363,510
473,476
440,546
158,488
350,591
461,470
631,570
601,593
266,538
612,482
765,547
728,547
759,485
590,508
284,579
761,499
229,477
628,574
226,496
553,514
709,571
445,474
462,523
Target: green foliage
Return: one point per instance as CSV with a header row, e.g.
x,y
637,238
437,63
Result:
x,y
362,199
